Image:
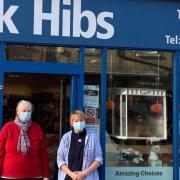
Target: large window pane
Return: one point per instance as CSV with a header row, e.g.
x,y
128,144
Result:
x,y
139,115
92,85
42,53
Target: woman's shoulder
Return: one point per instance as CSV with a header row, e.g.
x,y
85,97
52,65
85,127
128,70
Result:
x,y
36,126
67,135
9,124
92,135
36,129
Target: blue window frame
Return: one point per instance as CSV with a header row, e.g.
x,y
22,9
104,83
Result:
x,y
76,71
176,102
73,70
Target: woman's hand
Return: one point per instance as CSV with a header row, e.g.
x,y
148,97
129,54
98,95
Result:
x,y
76,176
45,178
82,174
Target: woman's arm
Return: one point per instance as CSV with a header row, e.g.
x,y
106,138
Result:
x,y
2,146
62,152
44,157
98,160
90,169
73,175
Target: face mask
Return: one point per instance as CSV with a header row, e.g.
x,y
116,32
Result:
x,y
25,116
79,126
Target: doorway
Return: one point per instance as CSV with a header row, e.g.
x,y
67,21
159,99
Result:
x,y
50,95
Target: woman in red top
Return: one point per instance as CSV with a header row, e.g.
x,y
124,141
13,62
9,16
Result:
x,y
23,150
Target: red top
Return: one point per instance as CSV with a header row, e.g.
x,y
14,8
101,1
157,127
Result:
x,y
14,164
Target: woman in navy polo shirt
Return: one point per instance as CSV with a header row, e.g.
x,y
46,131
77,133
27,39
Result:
x,y
79,153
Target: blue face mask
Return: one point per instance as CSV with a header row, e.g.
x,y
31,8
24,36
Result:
x,y
25,116
79,126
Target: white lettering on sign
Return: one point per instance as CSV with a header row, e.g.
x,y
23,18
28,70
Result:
x,y
71,15
78,15
66,28
39,16
6,18
178,11
101,21
173,40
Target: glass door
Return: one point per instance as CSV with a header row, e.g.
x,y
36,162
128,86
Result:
x,y
50,95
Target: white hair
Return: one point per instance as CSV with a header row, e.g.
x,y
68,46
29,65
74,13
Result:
x,y
24,102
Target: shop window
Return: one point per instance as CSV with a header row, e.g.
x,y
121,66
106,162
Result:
x,y
139,114
42,53
93,61
92,86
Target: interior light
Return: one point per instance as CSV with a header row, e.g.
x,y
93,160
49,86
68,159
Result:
x,y
94,60
60,49
147,53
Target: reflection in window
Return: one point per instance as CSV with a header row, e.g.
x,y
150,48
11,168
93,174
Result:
x,y
42,53
92,86
93,60
139,123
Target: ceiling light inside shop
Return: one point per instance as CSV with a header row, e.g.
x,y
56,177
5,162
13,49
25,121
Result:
x,y
14,75
60,49
147,53
94,60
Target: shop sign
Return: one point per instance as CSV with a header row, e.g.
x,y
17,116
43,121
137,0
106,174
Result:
x,y
62,22
115,23
90,114
139,173
91,96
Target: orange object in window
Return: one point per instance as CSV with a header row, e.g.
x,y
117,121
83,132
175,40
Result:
x,y
157,108
110,104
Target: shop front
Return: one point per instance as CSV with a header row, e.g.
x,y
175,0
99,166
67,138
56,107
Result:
x,y
116,60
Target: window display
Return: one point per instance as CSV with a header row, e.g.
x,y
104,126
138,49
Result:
x,y
139,115
136,116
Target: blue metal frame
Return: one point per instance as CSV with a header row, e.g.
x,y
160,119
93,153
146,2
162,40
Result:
x,y
2,59
176,101
103,109
74,70
73,94
80,87
38,67
77,84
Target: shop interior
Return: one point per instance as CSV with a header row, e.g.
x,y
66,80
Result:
x,y
50,95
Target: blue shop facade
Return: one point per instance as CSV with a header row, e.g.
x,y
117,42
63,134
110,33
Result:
x,y
116,60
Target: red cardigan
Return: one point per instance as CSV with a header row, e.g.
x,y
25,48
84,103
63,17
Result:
x,y
13,164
